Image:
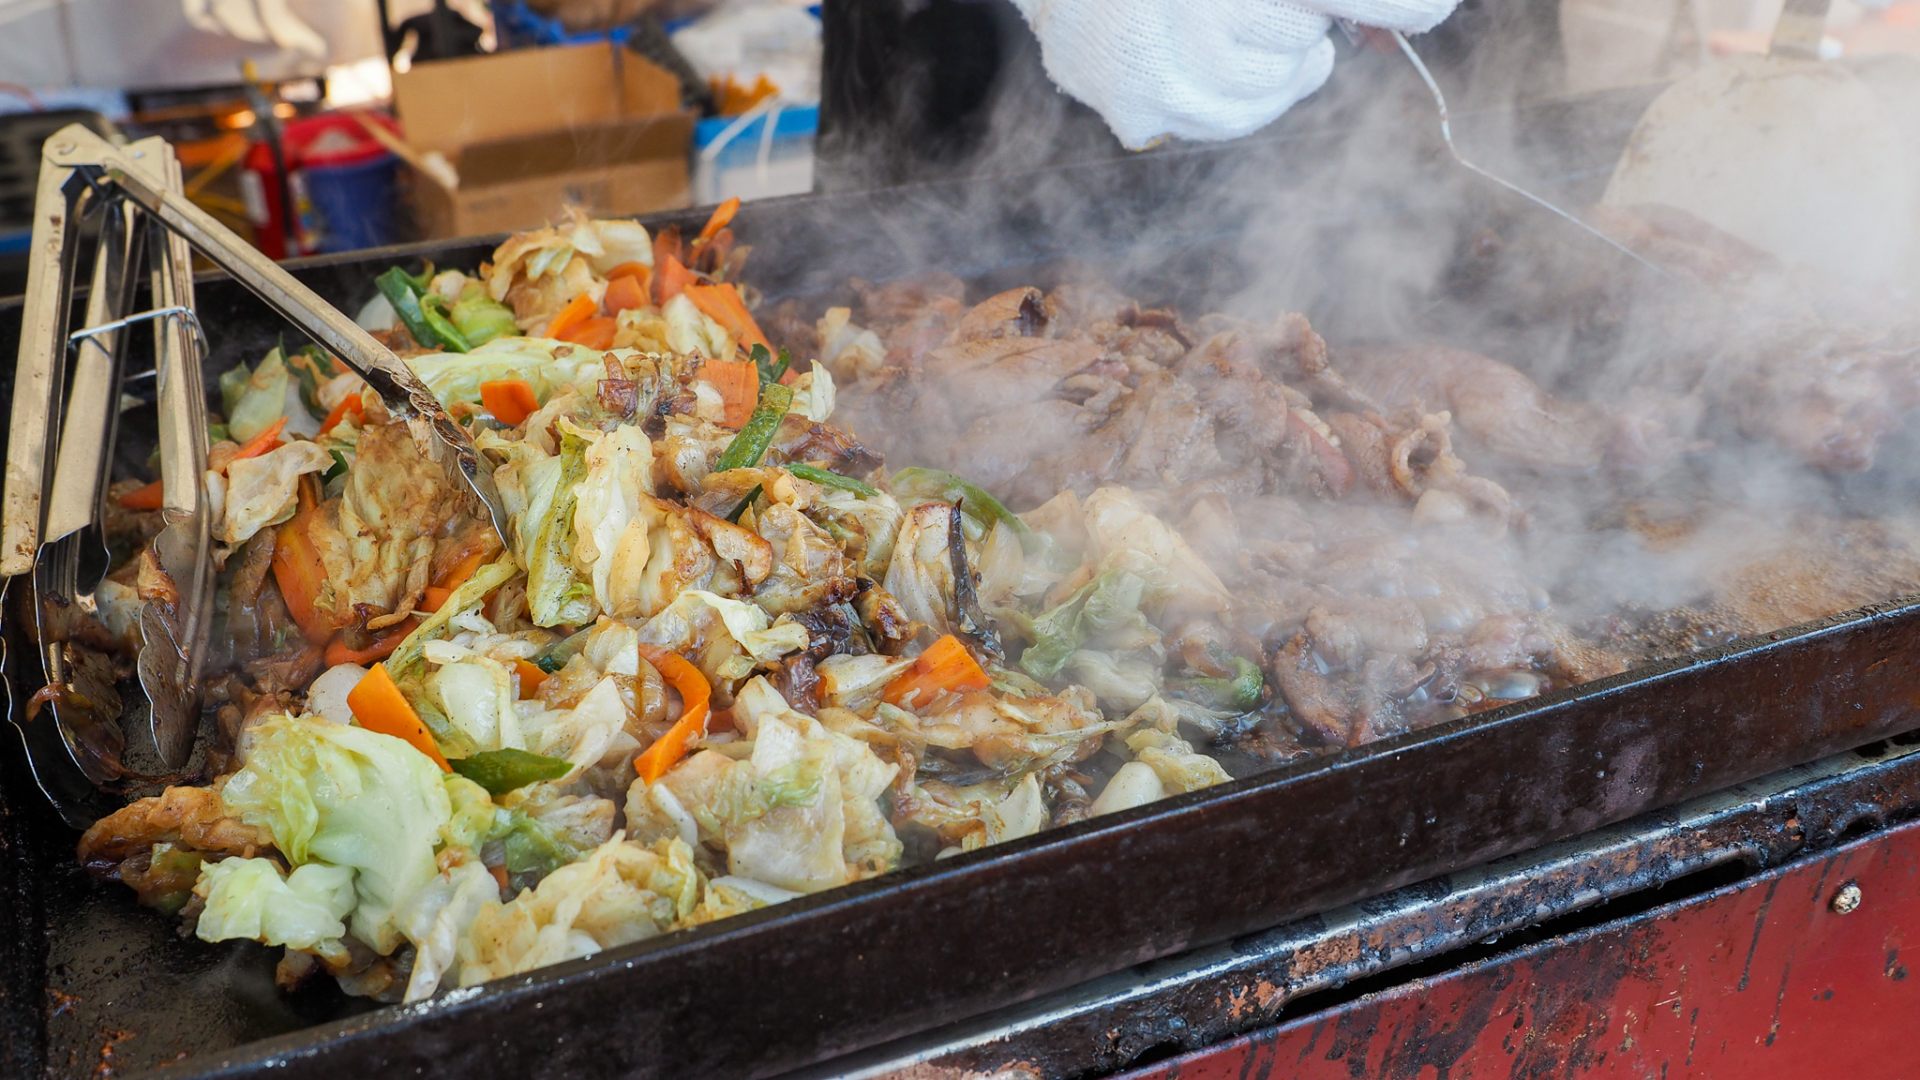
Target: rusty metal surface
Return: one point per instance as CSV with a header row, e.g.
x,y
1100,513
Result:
x,y
1211,995
1802,971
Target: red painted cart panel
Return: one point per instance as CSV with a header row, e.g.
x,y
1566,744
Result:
x,y
1781,975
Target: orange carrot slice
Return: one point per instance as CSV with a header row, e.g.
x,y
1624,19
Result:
x,y
381,647
624,292
380,706
595,333
530,677
945,665
722,304
670,278
510,401
739,384
351,404
722,217
298,571
695,698
261,443
578,310
150,497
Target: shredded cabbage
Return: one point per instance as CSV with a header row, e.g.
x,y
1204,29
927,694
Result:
x,y
249,899
264,490
549,366
345,797
621,892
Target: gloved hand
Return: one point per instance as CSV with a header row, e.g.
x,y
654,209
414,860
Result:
x,y
1201,69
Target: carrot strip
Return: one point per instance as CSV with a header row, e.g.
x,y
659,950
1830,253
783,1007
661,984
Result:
x,y
739,384
670,278
594,333
722,217
695,698
578,309
380,706
432,597
510,401
631,269
349,404
530,677
666,245
298,571
150,497
624,292
722,304
381,647
459,572
261,443
945,665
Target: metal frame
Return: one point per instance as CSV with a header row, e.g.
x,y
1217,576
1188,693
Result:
x,y
1202,998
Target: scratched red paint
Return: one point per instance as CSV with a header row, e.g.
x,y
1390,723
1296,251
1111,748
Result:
x,y
1758,980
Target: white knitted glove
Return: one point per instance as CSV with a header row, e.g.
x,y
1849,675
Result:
x,y
1201,69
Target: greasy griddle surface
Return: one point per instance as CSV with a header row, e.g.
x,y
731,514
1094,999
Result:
x,y
89,979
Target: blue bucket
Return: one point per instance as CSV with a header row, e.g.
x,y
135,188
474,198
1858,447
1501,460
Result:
x,y
353,203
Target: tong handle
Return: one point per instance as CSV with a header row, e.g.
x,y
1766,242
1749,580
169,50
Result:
x,y
87,432
37,390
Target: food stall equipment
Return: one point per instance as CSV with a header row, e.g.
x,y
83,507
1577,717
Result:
x,y
1193,886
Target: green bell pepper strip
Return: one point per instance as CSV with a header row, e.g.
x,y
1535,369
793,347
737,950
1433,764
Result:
x,y
397,286
946,487
829,478
750,445
435,311
500,771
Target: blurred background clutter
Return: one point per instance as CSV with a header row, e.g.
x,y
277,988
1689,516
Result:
x,y
317,126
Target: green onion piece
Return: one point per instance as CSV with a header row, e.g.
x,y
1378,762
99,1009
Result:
x,y
500,771
748,447
338,468
770,370
829,478
734,514
916,483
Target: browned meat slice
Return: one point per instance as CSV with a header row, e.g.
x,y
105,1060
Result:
x,y
1830,399
1497,408
1029,453
1019,312
189,817
1339,711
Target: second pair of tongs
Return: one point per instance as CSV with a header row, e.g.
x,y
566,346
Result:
x,y
1446,135
62,436
60,446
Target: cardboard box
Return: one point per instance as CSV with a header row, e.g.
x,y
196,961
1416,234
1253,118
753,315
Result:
x,y
533,131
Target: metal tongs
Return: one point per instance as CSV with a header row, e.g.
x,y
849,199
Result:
x,y
1354,33
65,415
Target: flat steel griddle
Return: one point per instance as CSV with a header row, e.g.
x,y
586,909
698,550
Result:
x,y
88,979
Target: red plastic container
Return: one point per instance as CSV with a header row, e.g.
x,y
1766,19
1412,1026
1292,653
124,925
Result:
x,y
342,183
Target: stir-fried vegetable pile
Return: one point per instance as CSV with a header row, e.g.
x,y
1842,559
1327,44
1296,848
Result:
x,y
725,658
